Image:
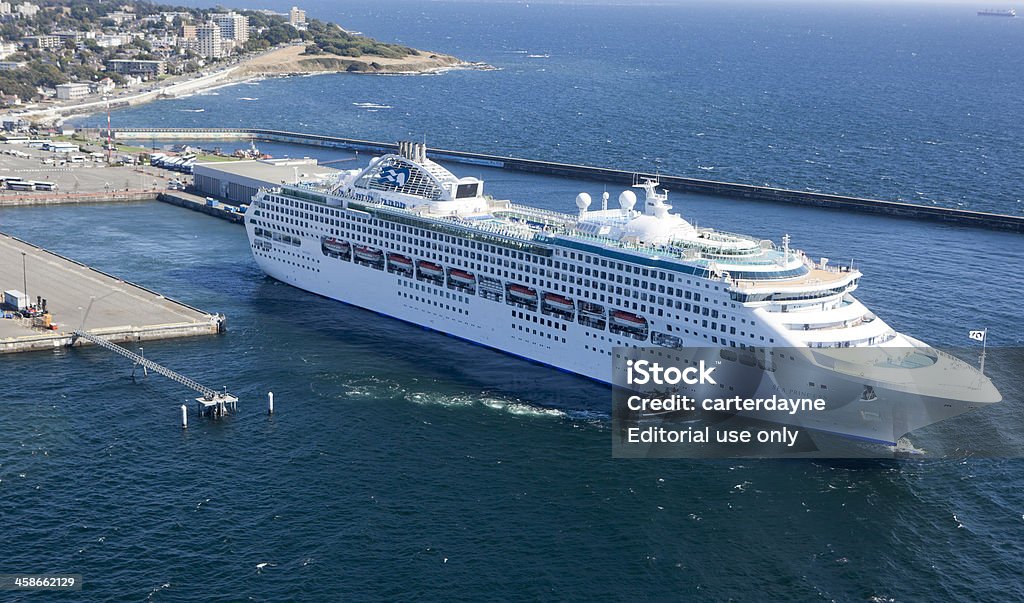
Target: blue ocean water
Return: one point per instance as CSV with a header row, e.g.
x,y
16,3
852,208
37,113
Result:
x,y
910,102
403,464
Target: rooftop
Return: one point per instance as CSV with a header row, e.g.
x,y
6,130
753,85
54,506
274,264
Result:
x,y
270,171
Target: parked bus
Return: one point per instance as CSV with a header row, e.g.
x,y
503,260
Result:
x,y
21,185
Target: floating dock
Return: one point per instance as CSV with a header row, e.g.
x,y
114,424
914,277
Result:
x,y
991,221
120,311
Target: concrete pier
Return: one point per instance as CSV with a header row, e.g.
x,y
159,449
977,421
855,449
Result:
x,y
121,311
947,215
77,198
199,204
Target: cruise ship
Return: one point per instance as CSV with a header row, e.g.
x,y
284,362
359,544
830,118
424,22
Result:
x,y
406,238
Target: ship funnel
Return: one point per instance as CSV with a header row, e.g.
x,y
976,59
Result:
x,y
413,151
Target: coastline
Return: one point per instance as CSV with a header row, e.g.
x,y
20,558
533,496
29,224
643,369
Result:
x,y
289,60
283,61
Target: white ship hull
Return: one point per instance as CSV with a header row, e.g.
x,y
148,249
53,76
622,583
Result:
x,y
470,317
565,344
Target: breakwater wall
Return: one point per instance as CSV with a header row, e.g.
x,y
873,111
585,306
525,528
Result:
x,y
72,198
987,220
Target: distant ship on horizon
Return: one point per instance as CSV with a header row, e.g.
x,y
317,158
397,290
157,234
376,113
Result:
x,y
1007,12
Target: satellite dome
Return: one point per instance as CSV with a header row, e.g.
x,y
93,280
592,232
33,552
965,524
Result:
x,y
583,201
627,199
652,229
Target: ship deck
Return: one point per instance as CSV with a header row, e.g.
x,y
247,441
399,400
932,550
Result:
x,y
814,276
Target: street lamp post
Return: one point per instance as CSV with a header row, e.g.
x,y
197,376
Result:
x,y
24,273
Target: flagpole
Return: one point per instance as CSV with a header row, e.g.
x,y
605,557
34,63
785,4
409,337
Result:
x,y
984,342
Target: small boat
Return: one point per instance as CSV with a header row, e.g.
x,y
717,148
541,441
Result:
x,y
431,270
558,302
628,320
592,309
369,254
335,246
461,277
522,292
399,261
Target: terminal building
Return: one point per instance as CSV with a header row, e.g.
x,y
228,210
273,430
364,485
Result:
x,y
235,182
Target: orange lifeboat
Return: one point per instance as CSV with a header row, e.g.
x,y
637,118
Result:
x,y
628,320
558,302
523,293
369,254
399,261
431,270
461,277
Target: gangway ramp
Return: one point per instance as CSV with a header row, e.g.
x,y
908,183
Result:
x,y
210,400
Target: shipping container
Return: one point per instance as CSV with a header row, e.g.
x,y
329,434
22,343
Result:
x,y
15,300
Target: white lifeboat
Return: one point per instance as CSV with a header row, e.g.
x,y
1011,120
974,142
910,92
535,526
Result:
x,y
461,277
558,302
335,246
628,320
399,261
369,254
431,269
521,292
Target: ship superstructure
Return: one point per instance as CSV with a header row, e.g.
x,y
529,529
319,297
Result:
x,y
406,238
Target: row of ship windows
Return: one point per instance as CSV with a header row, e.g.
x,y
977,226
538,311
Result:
x,y
558,286
546,322
714,325
377,227
376,233
281,225
261,251
697,309
643,296
558,265
704,323
433,302
713,338
534,332
446,294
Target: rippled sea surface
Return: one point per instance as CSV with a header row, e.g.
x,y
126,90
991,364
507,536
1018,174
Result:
x,y
402,464
893,101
